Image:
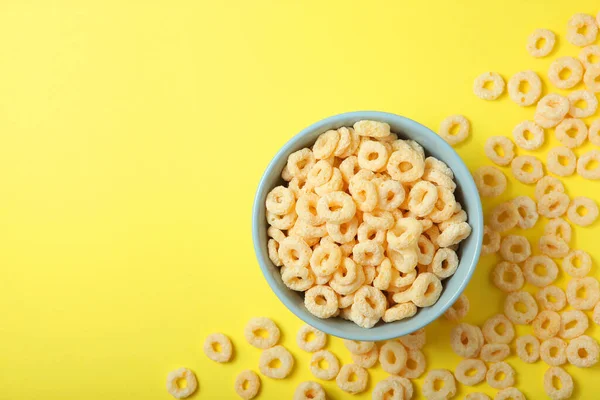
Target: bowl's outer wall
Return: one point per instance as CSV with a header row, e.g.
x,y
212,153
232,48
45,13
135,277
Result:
x,y
466,193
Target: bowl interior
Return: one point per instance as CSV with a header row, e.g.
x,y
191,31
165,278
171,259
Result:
x,y
466,193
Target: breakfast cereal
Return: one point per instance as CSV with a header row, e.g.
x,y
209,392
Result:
x,y
488,94
317,343
577,264
500,150
268,356
258,325
589,211
500,375
563,389
548,270
573,323
494,352
547,36
570,64
561,161
326,357
546,324
218,347
181,392
528,348
433,391
247,384
525,98
553,351
355,386
576,24
368,359
470,371
498,329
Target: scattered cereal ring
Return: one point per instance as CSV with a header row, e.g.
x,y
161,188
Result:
x,y
582,211
494,352
563,388
342,233
336,207
391,194
335,184
507,277
388,390
324,365
529,97
529,136
515,248
415,364
309,390
306,208
591,293
218,347
554,107
541,42
356,386
490,181
498,329
470,371
577,264
527,169
247,384
528,348
546,185
576,24
592,156
571,132
405,166
570,64
553,351
181,392
372,155
399,312
256,327
594,132
546,324
491,241
510,393
465,340
560,228
374,129
415,340
551,298
488,94
590,100
573,323
545,122
499,149
462,131
432,390
392,357
422,198
526,211
348,168
561,161
553,246
500,375
591,78
318,341
366,360
583,352
548,271
516,315
454,234
587,55
459,309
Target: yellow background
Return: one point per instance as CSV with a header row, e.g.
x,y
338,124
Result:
x,y
132,138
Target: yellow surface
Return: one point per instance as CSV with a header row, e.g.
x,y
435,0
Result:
x,y
133,135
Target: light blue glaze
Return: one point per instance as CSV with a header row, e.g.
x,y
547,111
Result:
x,y
466,193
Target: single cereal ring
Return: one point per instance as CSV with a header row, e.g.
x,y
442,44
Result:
x,y
415,364
500,375
516,315
319,174
560,228
372,155
344,142
510,393
490,181
561,161
379,219
445,206
499,149
256,327
525,98
462,128
553,351
399,312
432,390
459,309
406,384
367,360
582,211
355,386
391,194
347,273
546,185
444,263
454,234
591,293
181,392
470,371
342,233
491,241
515,248
488,94
425,250
527,211
581,30
404,260
370,302
592,156
591,78
571,132
540,270
504,217
583,352
507,277
247,384
306,208
529,136
553,246
324,365
367,232
527,169
300,163
280,200
494,352
317,342
415,340
368,253
374,129
325,259
465,340
405,166
299,279
573,323
590,100
554,107
218,347
321,301
577,264
528,348
498,329
551,298
326,144
425,290
587,55
546,324
282,222
541,42
336,207
275,233
563,388
388,390
432,163
422,198
404,233
561,64
348,168
392,357
309,390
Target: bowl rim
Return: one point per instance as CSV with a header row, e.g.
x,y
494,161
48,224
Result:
x,y
368,334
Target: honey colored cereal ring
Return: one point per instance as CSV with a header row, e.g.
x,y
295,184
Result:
x,y
404,260
335,184
560,228
515,248
306,208
507,277
404,233
392,357
551,298
592,156
275,233
514,314
425,250
588,54
405,166
391,194
294,252
470,371
594,131
326,144
309,390
374,129
571,132
499,149
347,273
415,340
509,393
370,301
591,78
321,301
415,364
526,211
282,222
432,163
553,246
504,217
494,352
583,352
545,122
462,125
500,375
318,362
490,181
488,94
527,169
388,390
399,312
325,259
561,161
465,340
440,179
379,219
582,211
498,329
561,64
368,253
546,324
181,392
528,348
577,264
348,168
280,200
358,347
372,155
591,294
591,103
344,232
547,267
553,351
256,327
454,234
525,98
318,341
383,277
432,390
457,218
563,388
319,174
355,386
581,30
541,42
422,198
529,136
367,360
426,290
247,384
445,206
444,263
406,384
367,232
273,248
336,207
300,162
546,185
573,323
554,107
344,142
218,347
491,241
459,309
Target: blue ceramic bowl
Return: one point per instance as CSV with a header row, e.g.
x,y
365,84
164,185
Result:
x,y
466,193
